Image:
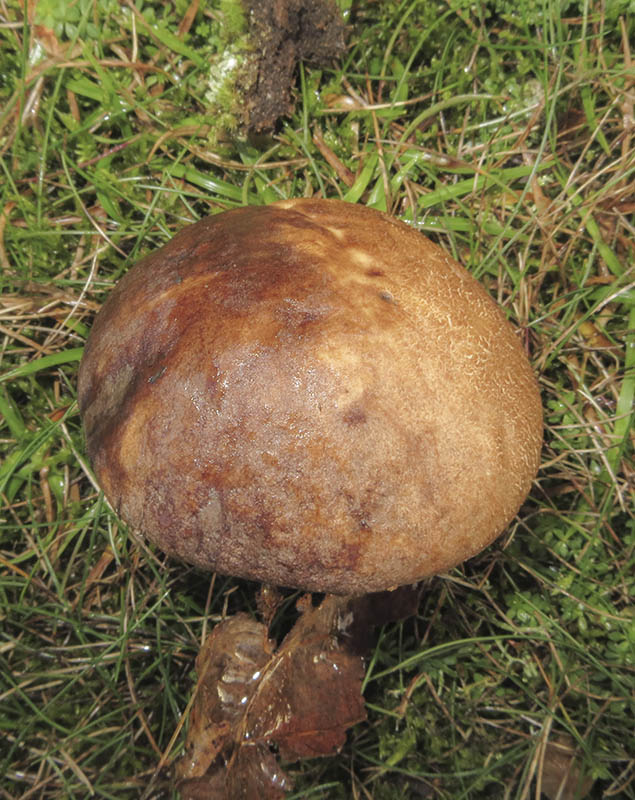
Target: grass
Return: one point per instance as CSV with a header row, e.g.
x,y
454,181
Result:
x,y
502,130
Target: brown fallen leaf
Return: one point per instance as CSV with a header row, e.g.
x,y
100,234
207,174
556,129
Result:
x,y
300,697
229,666
562,778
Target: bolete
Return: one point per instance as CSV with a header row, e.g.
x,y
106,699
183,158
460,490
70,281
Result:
x,y
309,394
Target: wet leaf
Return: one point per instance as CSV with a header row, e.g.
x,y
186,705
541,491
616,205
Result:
x,y
229,667
300,697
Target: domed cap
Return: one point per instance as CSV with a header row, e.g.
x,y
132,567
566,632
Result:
x,y
310,394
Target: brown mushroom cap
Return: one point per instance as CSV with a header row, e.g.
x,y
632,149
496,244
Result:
x,y
310,394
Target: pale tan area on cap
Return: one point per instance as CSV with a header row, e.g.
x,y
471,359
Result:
x,y
310,394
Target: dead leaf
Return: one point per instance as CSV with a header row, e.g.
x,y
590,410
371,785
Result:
x,y
251,774
48,40
315,685
229,666
562,778
300,697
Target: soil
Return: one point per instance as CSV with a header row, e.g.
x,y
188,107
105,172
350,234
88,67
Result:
x,y
283,33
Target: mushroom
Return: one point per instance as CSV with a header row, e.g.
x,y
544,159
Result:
x,y
309,394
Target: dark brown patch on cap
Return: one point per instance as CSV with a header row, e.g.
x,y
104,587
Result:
x,y
354,415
